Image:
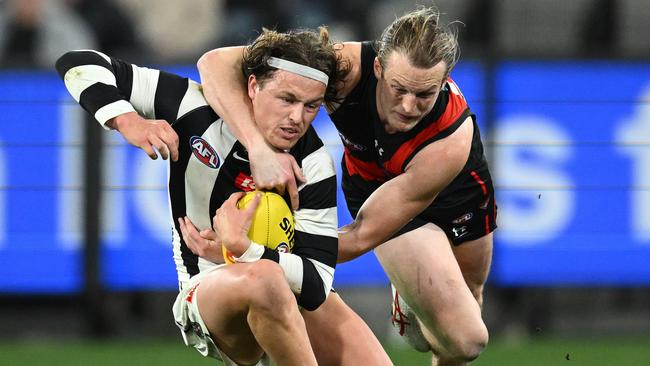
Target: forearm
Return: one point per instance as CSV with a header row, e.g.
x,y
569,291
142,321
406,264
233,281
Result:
x,y
387,210
225,90
350,246
363,235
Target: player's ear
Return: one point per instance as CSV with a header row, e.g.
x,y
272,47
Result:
x,y
377,68
253,86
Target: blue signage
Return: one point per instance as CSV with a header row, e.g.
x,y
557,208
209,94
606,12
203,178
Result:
x,y
569,150
571,157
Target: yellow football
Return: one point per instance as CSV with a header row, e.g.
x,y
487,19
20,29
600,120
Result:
x,y
272,224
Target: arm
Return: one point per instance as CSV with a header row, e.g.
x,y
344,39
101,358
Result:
x,y
351,53
309,269
433,169
118,94
224,89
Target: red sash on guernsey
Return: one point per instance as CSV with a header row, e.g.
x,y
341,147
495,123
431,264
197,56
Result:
x,y
367,170
372,171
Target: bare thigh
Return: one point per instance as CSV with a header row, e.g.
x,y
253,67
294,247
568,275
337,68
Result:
x,y
474,259
340,337
423,268
223,305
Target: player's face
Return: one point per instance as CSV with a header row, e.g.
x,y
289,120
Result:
x,y
405,93
284,106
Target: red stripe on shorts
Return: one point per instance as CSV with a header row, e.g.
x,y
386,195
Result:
x,y
479,181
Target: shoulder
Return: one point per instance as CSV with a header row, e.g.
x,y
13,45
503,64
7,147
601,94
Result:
x,y
448,154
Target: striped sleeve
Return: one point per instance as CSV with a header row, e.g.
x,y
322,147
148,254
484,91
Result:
x,y
107,87
310,268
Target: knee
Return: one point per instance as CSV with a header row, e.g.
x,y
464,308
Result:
x,y
468,344
267,288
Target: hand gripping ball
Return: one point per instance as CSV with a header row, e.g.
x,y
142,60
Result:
x,y
272,224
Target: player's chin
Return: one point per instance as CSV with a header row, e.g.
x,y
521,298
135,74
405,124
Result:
x,y
403,126
284,143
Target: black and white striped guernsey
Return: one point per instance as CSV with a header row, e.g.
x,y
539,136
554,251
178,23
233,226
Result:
x,y
212,164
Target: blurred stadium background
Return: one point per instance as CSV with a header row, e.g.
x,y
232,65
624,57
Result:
x,y
562,92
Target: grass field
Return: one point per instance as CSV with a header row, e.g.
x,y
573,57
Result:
x,y
548,352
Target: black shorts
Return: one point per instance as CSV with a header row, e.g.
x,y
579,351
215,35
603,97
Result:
x,y
466,210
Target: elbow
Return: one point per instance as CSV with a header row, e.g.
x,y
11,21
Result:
x,y
350,250
204,61
208,62
62,64
76,58
353,243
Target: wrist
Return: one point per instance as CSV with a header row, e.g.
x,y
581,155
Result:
x,y
253,253
119,122
257,144
240,247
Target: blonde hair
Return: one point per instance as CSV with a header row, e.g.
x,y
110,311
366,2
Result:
x,y
421,38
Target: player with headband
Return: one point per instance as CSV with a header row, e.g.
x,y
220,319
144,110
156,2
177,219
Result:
x,y
271,306
414,176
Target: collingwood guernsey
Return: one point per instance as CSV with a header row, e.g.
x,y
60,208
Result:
x,y
212,165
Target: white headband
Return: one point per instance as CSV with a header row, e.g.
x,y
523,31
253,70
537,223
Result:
x,y
302,70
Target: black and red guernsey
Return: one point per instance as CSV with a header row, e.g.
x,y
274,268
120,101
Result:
x,y
372,156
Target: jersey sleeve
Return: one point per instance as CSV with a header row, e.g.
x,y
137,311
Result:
x,y
316,221
107,87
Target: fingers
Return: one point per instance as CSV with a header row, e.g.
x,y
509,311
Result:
x,y
194,241
292,188
173,147
208,235
235,197
297,171
170,138
149,150
252,206
190,234
156,142
181,225
163,138
292,184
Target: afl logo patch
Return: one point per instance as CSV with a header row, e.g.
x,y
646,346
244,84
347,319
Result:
x,y
282,248
204,152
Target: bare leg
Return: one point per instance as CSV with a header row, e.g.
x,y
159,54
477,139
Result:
x,y
341,338
475,258
423,268
249,309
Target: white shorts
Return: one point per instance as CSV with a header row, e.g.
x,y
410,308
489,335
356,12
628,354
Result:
x,y
193,329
